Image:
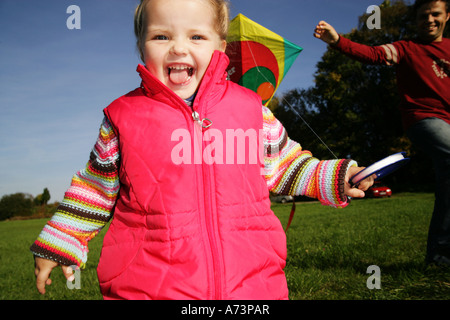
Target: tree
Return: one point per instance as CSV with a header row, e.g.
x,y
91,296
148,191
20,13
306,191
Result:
x,y
43,198
18,204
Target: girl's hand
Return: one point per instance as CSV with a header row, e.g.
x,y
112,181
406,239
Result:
x,y
363,185
326,33
43,269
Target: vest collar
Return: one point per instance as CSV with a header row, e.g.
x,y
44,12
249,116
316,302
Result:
x,y
210,85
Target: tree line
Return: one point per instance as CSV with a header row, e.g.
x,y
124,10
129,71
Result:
x,y
23,205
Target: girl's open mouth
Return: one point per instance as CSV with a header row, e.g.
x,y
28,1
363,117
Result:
x,y
180,74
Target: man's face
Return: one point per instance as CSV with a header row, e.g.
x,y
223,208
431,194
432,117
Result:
x,y
431,20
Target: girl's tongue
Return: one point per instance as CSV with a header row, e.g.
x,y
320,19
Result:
x,y
180,75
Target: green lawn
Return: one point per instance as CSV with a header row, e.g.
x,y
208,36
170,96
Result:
x,y
329,251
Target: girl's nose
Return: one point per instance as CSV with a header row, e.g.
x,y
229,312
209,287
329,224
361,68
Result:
x,y
179,48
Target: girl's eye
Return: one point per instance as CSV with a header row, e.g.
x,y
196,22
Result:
x,y
160,37
197,37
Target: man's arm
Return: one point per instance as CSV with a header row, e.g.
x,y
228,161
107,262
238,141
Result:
x,y
387,54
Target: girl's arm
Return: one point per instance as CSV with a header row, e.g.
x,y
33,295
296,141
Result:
x,y
289,170
87,205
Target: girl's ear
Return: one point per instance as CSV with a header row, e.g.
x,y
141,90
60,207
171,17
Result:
x,y
223,45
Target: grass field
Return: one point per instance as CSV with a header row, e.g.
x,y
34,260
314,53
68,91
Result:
x,y
329,251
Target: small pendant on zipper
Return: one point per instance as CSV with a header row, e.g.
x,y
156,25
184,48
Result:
x,y
204,123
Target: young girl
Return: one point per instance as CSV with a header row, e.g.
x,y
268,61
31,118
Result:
x,y
186,226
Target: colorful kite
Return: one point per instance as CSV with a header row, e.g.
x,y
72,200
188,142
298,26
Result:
x,y
259,58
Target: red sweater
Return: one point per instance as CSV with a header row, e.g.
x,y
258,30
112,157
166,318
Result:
x,y
423,74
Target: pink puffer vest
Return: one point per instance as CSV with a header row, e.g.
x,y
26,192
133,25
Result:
x,y
202,230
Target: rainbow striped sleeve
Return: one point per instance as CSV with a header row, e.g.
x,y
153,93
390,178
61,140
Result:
x,y
86,207
289,170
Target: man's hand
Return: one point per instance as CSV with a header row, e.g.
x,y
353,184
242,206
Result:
x,y
326,33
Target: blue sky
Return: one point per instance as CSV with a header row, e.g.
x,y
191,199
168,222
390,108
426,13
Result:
x,y
54,82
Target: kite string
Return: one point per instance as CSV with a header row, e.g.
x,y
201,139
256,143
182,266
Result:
x,y
290,106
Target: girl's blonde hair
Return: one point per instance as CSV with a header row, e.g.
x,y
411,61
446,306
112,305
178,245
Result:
x,y
220,7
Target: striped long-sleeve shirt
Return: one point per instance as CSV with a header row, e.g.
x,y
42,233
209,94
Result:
x,y
88,203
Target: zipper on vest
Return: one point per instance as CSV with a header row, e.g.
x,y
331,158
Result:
x,y
209,219
204,123
200,125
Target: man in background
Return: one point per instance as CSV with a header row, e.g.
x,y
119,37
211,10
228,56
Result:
x,y
423,79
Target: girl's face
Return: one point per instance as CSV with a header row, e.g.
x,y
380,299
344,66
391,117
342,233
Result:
x,y
180,40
